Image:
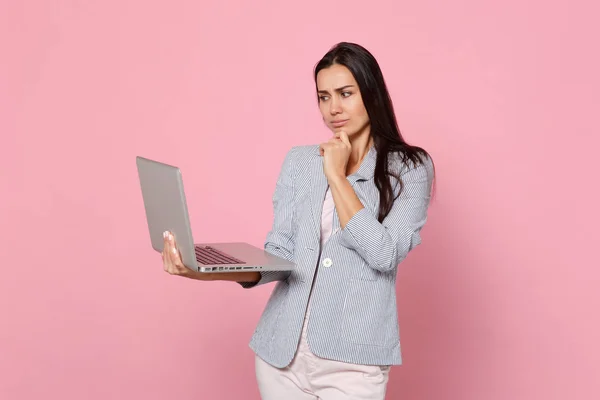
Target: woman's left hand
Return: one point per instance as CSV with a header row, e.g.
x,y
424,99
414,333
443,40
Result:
x,y
336,153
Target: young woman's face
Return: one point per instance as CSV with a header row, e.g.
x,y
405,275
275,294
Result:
x,y
340,101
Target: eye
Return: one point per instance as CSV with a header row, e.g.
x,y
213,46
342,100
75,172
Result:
x,y
346,94
323,98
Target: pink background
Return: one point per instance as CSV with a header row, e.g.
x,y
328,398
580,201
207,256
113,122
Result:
x,y
501,300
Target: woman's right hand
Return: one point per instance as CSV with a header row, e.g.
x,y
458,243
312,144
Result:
x,y
171,257
173,265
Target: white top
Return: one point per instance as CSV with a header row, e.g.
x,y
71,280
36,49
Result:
x,y
327,217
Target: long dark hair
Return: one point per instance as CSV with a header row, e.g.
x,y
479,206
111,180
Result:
x,y
384,126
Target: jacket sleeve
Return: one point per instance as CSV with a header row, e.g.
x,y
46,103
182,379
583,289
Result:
x,y
280,240
384,245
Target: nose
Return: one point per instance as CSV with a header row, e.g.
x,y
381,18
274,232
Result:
x,y
335,106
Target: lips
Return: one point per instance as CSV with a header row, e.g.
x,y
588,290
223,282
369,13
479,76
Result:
x,y
339,123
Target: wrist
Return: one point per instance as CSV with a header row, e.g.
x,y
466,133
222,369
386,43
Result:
x,y
336,180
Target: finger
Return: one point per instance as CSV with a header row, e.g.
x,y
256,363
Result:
x,y
167,266
164,259
324,147
165,252
171,251
169,254
168,259
344,138
176,256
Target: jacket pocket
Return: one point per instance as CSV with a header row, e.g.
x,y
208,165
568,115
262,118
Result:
x,y
275,305
369,314
367,273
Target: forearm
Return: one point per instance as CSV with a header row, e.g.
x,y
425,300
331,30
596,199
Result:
x,y
385,244
346,202
249,277
372,245
372,241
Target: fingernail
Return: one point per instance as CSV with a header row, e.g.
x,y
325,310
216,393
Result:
x,y
175,251
165,234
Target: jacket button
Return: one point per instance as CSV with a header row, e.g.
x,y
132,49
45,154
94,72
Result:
x,y
327,262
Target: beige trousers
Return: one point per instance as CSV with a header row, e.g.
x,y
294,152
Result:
x,y
309,377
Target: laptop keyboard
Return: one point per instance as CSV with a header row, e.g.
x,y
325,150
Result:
x,y
209,256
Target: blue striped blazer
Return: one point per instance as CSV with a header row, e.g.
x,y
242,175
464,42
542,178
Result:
x,y
353,308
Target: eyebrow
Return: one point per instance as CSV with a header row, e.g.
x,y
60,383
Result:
x,y
337,90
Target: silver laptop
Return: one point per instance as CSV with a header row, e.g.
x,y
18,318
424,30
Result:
x,y
166,210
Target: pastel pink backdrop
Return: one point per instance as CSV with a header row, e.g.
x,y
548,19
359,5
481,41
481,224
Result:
x,y
500,301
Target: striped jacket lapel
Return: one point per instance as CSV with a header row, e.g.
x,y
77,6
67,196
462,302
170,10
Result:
x,y
318,188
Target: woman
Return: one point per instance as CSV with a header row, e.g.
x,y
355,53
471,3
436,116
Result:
x,y
347,212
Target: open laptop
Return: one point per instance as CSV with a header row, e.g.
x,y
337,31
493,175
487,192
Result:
x,y
166,210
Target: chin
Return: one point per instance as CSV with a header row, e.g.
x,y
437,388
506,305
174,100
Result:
x,y
349,131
